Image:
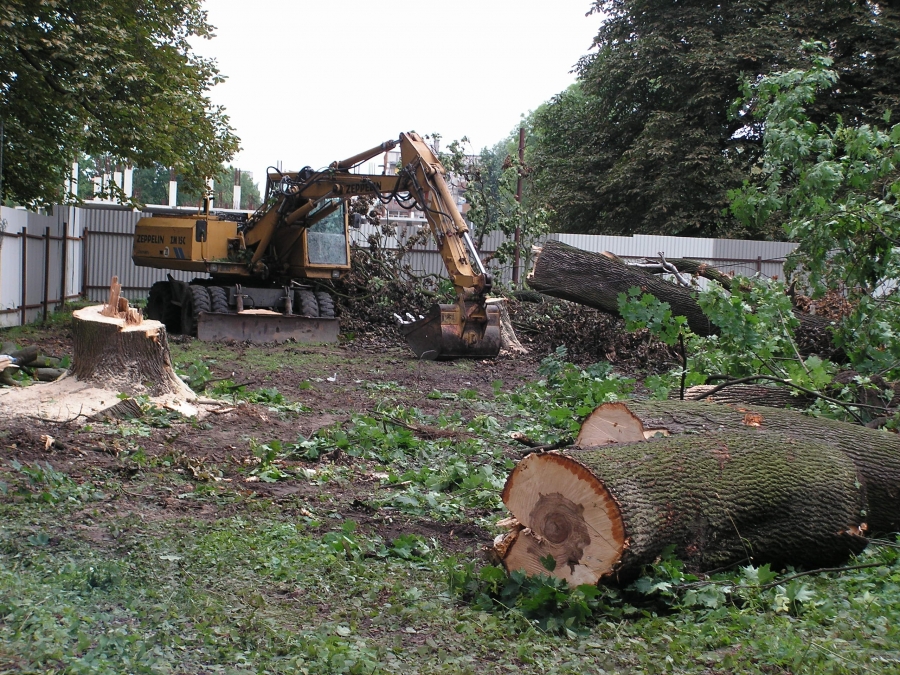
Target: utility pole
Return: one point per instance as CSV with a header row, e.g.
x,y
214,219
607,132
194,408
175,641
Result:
x,y
519,171
2,143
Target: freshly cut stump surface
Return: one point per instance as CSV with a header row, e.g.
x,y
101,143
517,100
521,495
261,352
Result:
x,y
719,499
570,515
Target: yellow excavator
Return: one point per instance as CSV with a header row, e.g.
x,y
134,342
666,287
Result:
x,y
263,270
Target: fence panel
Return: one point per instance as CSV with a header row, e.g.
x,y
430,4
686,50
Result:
x,y
97,246
32,265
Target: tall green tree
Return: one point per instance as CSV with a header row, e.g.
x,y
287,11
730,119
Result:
x,y
834,188
151,186
491,179
106,77
224,190
644,142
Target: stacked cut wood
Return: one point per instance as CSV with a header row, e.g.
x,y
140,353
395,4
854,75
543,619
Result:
x,y
30,360
117,349
723,484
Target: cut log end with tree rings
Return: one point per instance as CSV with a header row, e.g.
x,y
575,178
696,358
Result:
x,y
717,499
570,525
614,423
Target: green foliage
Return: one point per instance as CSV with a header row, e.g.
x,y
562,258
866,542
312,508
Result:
x,y
643,142
104,79
491,181
757,327
835,190
196,373
756,337
41,483
151,186
646,311
545,602
569,393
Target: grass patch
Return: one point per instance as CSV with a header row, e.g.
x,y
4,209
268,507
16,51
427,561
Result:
x,y
160,564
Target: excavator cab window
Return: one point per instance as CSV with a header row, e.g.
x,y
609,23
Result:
x,y
326,238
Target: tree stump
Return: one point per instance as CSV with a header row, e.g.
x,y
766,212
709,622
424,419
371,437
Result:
x,y
509,343
116,353
719,499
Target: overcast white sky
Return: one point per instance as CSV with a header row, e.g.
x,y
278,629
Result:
x,y
311,82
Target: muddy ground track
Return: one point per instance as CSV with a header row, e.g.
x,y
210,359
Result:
x,y
89,452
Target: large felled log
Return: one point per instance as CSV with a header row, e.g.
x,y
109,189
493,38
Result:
x,y
718,498
114,354
876,454
595,280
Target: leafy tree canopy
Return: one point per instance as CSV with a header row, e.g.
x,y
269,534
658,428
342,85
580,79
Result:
x,y
106,77
644,142
834,188
491,179
151,185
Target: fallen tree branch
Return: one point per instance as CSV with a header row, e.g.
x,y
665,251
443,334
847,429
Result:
x,y
534,446
778,582
671,269
597,280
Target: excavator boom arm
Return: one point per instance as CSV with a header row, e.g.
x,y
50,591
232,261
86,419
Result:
x,y
468,328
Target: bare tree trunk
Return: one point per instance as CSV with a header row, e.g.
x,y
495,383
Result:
x,y
509,343
875,453
752,394
595,280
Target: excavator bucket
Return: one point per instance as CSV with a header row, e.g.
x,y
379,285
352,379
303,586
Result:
x,y
442,336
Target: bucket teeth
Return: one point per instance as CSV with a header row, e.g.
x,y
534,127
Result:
x,y
439,335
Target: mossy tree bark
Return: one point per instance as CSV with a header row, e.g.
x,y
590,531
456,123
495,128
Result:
x,y
130,358
719,499
875,453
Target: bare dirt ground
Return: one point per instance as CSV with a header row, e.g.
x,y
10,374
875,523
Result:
x,y
332,382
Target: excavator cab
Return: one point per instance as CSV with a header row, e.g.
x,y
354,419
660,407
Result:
x,y
326,238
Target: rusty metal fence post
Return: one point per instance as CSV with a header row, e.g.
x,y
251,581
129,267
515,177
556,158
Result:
x,y
84,264
65,266
24,235
46,275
